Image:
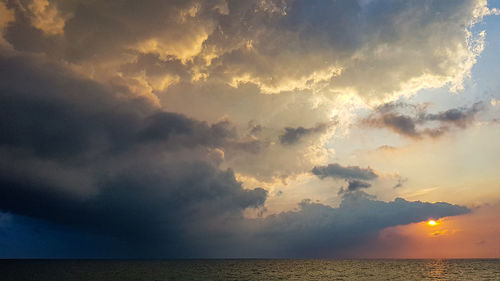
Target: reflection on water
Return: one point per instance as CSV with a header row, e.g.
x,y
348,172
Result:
x,y
436,269
273,269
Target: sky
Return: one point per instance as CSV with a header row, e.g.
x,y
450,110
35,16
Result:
x,y
249,129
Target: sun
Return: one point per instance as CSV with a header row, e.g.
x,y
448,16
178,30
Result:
x,y
431,223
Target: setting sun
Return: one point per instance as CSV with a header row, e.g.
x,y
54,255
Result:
x,y
431,223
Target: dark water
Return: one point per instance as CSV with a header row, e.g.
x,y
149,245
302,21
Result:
x,y
109,270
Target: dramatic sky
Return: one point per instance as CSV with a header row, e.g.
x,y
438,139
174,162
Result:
x,y
259,128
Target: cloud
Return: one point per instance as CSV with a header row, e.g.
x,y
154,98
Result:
x,y
317,230
356,184
80,157
121,121
401,124
340,172
314,230
294,135
416,124
460,117
277,45
401,182
46,17
6,16
216,59
354,176
345,44
76,153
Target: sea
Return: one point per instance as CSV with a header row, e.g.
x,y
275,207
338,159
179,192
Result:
x,y
250,269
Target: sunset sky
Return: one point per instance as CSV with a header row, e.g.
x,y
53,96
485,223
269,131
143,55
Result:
x,y
256,128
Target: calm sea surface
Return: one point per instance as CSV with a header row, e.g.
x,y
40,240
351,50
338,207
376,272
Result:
x,y
109,270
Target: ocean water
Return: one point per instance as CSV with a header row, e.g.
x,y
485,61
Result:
x,y
249,269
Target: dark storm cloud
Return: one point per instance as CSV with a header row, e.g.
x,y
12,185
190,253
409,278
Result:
x,y
149,208
340,172
294,135
314,230
66,116
415,124
74,153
